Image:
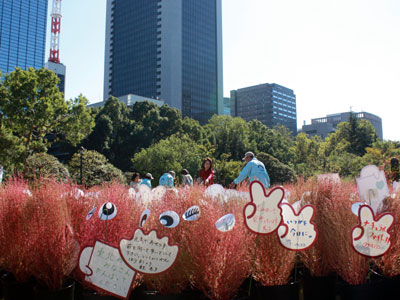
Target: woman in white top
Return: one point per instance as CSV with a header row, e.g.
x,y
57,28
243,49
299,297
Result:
x,y
135,181
187,178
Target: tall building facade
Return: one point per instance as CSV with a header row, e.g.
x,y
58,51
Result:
x,y
326,125
22,34
271,104
166,49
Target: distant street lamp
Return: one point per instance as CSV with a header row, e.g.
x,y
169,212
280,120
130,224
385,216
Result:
x,y
81,169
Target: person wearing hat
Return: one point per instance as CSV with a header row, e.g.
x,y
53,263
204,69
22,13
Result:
x,y
254,170
167,179
147,180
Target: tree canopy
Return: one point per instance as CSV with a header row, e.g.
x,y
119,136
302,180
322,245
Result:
x,y
32,108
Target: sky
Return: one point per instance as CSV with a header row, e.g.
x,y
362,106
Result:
x,y
335,55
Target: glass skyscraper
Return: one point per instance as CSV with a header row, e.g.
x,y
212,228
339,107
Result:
x,y
22,34
271,104
166,49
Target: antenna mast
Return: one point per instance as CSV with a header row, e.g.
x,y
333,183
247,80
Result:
x,y
55,32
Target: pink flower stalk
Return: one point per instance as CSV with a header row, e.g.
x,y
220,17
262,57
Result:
x,y
111,231
337,223
220,260
389,264
36,237
314,193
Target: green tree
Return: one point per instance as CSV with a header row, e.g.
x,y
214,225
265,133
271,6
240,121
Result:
x,y
352,137
278,172
229,135
43,165
307,154
95,169
227,170
176,152
32,107
344,163
112,133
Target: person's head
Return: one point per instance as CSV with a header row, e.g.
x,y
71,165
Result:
x,y
172,173
149,176
135,177
394,162
185,172
248,156
207,164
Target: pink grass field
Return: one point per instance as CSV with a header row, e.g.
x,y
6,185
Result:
x,y
43,227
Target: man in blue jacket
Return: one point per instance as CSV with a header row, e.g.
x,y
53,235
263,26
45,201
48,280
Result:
x,y
254,170
167,179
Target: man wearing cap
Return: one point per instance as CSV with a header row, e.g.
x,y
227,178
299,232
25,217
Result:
x,y
254,170
167,179
147,180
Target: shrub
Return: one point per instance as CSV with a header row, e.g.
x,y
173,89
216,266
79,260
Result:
x,y
43,165
95,168
277,171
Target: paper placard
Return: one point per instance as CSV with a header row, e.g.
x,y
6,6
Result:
x,y
297,231
90,213
214,191
148,254
226,223
263,214
104,268
192,213
372,186
370,237
330,177
158,193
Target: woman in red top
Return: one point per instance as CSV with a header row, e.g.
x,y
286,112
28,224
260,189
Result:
x,y
206,173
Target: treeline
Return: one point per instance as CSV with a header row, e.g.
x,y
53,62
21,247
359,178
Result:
x,y
147,138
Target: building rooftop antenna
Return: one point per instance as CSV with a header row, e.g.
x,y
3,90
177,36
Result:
x,y
55,32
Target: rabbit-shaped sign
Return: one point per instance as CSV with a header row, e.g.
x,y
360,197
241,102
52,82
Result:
x,y
297,231
370,237
104,268
263,214
372,186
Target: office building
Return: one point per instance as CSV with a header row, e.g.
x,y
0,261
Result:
x,y
271,104
166,49
227,106
130,100
22,34
60,70
326,125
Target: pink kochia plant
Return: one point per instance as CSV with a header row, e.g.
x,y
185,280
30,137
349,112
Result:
x,y
176,279
36,237
390,262
220,260
337,223
15,244
314,193
110,231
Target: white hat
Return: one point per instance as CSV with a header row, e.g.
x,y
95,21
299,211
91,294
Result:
x,y
247,155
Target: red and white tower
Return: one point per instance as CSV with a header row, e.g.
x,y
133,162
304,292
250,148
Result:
x,y
55,32
54,60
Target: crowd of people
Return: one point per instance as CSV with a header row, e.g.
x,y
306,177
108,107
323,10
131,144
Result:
x,y
253,170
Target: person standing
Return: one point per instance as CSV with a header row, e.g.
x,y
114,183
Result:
x,y
147,180
254,170
135,181
167,179
187,178
206,173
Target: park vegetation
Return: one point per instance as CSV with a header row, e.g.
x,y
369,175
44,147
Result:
x,y
36,119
